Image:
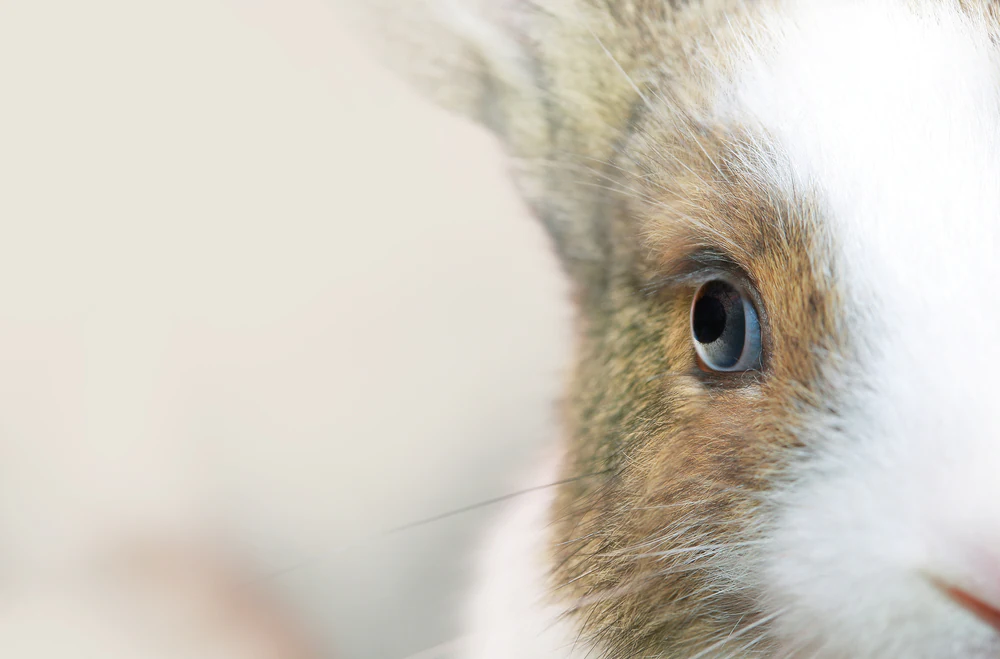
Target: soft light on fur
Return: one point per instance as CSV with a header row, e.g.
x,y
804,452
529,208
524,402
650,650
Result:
x,y
841,161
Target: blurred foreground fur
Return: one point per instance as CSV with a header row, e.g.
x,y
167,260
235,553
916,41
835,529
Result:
x,y
155,600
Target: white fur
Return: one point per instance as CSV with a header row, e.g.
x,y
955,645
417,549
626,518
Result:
x,y
888,112
514,613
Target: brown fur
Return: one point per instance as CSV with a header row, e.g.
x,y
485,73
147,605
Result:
x,y
692,453
604,112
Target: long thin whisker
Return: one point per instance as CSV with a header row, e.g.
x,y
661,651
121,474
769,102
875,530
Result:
x,y
411,525
745,630
702,502
621,70
739,652
438,651
687,550
638,585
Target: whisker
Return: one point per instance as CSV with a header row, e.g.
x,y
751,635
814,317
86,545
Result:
x,y
739,652
438,651
735,627
633,587
621,70
745,630
686,550
318,558
702,502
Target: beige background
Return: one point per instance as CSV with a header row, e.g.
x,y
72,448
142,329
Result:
x,y
252,289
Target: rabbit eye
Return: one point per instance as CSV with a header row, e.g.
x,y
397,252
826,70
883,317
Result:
x,y
725,328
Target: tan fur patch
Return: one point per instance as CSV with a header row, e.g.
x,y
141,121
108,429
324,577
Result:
x,y
638,191
657,554
616,147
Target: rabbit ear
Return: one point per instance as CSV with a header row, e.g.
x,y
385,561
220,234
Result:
x,y
463,54
549,77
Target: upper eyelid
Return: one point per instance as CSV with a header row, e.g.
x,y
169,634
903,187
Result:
x,y
689,279
697,269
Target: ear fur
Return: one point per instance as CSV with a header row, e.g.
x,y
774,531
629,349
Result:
x,y
453,51
554,79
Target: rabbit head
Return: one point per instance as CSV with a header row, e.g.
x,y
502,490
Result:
x,y
780,220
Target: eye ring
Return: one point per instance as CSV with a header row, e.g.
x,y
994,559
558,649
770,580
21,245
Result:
x,y
725,328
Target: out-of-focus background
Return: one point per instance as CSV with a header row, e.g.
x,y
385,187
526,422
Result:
x,y
259,302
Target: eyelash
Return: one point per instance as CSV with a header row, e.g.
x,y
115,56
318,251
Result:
x,y
699,269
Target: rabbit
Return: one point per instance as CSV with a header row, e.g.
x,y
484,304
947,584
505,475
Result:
x,y
780,220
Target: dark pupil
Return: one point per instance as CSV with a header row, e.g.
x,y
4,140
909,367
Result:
x,y
709,319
